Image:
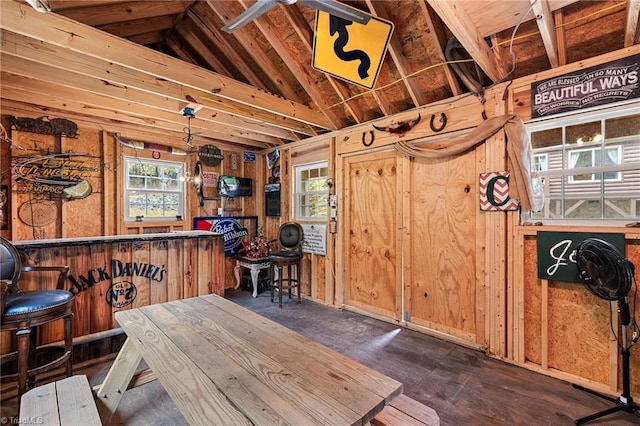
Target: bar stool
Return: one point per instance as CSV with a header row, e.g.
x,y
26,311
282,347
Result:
x,y
25,311
289,255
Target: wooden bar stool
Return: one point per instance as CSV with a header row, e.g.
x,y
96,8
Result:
x,y
25,311
289,255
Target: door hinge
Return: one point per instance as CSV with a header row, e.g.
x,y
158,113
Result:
x,y
406,317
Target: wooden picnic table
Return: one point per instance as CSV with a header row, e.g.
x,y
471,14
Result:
x,y
224,364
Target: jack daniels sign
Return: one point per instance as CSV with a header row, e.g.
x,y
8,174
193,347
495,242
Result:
x,y
611,82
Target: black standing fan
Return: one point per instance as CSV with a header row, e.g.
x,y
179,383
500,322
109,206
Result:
x,y
608,275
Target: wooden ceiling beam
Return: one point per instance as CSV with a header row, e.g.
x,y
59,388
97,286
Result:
x,y
436,37
109,13
61,31
57,96
187,33
139,26
299,70
110,113
147,39
215,36
462,26
304,31
631,27
399,58
546,26
25,65
223,12
558,19
126,130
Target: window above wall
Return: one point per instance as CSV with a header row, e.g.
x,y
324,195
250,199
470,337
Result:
x,y
311,191
154,190
590,166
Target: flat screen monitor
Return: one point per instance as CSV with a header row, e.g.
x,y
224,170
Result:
x,y
231,186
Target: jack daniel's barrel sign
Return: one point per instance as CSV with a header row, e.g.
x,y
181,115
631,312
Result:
x,y
607,83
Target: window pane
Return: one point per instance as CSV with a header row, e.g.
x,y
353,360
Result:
x,y
583,209
622,126
546,138
584,133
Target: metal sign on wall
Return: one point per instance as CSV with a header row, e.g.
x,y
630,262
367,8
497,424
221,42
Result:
x,y
348,50
557,253
611,82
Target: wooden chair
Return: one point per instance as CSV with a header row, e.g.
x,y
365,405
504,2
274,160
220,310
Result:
x,y
289,254
24,311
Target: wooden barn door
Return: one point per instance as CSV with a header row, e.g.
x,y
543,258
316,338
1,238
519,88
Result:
x,y
443,289
372,206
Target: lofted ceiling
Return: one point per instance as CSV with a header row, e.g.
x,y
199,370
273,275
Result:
x,y
135,65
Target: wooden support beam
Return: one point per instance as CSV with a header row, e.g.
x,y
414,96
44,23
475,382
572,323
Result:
x,y
633,14
437,37
561,40
545,21
124,11
300,70
187,32
114,80
399,58
66,33
248,43
460,23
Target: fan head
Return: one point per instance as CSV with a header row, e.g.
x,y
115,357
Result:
x,y
602,268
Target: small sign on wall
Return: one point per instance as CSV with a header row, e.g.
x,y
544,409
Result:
x,y
315,239
557,253
494,192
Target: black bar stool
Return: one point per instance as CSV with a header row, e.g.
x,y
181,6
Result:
x,y
289,255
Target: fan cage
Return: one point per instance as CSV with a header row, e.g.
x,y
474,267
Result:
x,y
603,269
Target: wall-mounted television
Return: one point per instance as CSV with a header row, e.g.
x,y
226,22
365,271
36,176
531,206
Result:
x,y
231,186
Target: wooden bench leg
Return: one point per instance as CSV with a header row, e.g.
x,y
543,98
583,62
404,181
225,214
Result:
x,y
117,379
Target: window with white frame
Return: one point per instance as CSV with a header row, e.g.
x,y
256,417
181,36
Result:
x,y
153,189
590,165
311,191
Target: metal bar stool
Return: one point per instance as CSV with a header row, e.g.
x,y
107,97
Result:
x,y
289,255
25,311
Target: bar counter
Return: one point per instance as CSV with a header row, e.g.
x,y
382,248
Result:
x,y
113,273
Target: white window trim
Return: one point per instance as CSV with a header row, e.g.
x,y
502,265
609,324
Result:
x,y
126,190
297,169
602,112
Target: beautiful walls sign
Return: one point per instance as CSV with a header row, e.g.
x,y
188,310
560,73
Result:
x,y
611,82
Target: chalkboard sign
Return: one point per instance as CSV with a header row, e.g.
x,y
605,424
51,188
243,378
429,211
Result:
x,y
557,253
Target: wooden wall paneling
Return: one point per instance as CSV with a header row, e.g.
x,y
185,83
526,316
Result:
x,y
517,277
38,216
101,316
205,267
633,254
340,260
532,315
175,274
110,188
79,261
140,255
397,253
159,256
371,265
190,286
443,245
326,287
54,331
122,254
405,233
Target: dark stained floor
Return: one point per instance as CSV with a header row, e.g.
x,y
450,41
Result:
x,y
464,386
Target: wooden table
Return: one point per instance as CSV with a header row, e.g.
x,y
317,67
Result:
x,y
223,364
254,264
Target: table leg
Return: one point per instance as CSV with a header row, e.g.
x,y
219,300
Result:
x,y
254,280
117,380
236,272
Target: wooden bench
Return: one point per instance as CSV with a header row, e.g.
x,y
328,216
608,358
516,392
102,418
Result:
x,y
407,412
65,402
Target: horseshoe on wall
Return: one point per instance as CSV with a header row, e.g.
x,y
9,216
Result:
x,y
443,120
370,142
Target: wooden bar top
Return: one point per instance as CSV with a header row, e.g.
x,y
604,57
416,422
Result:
x,y
81,241
224,364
